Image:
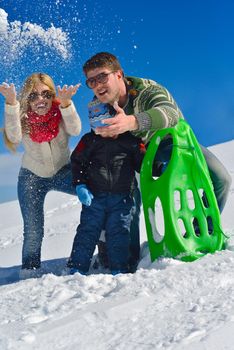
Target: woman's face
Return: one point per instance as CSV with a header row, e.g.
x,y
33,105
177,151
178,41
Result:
x,y
40,99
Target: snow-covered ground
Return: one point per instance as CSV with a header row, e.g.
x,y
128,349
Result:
x,y
167,304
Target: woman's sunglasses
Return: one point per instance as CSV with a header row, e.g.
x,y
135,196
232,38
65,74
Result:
x,y
100,78
46,94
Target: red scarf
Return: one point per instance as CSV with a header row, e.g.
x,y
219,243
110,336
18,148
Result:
x,y
44,128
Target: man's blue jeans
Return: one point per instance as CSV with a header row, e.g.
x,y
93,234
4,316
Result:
x,y
32,190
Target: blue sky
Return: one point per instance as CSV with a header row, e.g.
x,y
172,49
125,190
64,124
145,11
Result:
x,y
185,46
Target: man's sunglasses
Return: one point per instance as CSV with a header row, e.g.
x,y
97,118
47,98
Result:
x,y
46,94
100,78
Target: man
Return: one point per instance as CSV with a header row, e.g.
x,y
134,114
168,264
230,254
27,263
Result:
x,y
142,107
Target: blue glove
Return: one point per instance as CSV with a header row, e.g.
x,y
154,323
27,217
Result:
x,y
84,195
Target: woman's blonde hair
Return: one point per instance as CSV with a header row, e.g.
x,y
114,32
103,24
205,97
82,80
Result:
x,y
27,88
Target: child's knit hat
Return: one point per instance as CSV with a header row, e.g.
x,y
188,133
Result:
x,y
99,111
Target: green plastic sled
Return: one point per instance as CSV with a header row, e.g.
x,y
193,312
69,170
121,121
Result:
x,y
182,198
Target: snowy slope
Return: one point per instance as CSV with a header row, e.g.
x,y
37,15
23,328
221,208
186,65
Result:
x,y
167,304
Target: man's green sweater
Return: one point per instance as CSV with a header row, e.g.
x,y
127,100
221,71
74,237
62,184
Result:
x,y
152,105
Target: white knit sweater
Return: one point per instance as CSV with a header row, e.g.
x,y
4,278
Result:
x,y
46,158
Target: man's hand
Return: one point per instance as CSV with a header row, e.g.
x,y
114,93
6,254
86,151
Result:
x,y
119,124
8,91
65,94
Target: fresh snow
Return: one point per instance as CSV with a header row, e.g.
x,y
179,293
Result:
x,y
17,37
167,304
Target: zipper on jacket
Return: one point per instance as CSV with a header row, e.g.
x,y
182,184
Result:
x,y
110,180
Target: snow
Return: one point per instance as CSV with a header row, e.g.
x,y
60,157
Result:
x,y
167,304
16,37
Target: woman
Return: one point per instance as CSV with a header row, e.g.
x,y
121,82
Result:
x,y
43,122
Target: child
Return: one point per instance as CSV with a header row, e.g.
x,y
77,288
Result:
x,y
103,173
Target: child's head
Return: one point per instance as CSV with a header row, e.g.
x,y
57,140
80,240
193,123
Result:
x,y
99,111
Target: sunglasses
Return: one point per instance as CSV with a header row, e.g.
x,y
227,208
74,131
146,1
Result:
x,y
100,78
46,94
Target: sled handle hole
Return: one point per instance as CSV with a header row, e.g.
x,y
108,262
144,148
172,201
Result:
x,y
177,200
204,198
190,199
182,228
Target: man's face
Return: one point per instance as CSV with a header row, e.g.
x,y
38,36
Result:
x,y
105,84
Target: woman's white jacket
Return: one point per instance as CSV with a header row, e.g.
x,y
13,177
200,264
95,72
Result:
x,y
47,158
